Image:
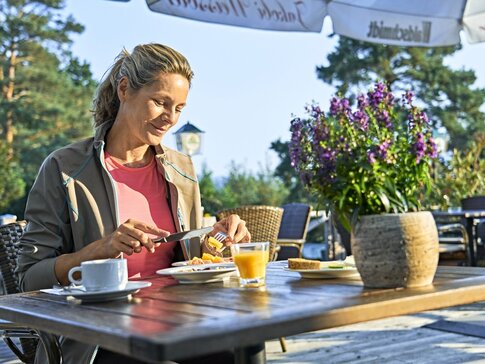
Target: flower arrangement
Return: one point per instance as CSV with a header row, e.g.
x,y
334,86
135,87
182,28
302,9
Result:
x,y
371,160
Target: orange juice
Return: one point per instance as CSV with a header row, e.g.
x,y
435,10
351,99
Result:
x,y
251,264
251,260
266,256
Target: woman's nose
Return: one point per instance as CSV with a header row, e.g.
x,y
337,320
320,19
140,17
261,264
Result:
x,y
169,117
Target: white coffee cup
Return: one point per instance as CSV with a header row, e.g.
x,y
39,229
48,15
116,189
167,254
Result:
x,y
101,274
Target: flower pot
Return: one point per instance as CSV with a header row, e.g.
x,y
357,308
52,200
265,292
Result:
x,y
396,250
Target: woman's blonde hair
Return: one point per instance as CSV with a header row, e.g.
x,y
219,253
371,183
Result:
x,y
141,67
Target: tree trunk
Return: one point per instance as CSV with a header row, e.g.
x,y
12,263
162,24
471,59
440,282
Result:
x,y
8,92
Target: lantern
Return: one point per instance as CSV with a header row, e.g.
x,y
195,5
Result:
x,y
189,139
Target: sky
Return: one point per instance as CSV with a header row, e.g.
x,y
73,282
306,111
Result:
x,y
248,83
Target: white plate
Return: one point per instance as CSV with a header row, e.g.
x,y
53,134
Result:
x,y
326,273
203,273
101,296
185,263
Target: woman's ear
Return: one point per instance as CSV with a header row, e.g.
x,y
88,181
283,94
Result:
x,y
122,88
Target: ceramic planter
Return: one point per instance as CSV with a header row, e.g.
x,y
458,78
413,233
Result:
x,y
396,250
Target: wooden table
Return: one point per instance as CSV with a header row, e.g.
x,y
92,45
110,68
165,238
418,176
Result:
x,y
468,218
173,321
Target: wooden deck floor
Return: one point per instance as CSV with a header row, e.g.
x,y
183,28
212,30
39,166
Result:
x,y
400,339
397,340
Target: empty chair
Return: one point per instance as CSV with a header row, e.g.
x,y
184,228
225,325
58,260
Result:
x,y
476,203
10,235
293,229
263,222
473,203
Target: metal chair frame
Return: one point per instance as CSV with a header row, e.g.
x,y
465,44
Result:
x,y
10,235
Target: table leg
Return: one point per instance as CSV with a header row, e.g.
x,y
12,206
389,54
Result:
x,y
472,242
254,354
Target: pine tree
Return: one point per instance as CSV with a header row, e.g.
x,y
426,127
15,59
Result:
x,y
46,92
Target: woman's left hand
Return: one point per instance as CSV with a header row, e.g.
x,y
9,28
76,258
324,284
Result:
x,y
235,228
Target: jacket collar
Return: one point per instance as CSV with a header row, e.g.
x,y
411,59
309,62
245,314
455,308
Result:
x,y
102,130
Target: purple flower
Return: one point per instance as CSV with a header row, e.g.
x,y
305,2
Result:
x,y
377,95
423,117
371,157
383,118
361,119
419,147
362,102
389,98
295,143
407,98
382,149
338,106
337,152
432,148
316,112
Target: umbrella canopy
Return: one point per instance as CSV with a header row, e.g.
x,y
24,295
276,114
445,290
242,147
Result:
x,y
427,23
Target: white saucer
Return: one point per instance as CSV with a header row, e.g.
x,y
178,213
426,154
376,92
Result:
x,y
203,273
100,296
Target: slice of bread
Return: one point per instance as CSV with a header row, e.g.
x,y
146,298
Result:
x,y
300,263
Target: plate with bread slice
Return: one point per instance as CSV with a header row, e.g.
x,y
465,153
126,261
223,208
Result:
x,y
316,269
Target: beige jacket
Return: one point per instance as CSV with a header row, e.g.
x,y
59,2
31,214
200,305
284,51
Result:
x,y
73,203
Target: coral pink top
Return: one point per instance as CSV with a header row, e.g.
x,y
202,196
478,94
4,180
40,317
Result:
x,y
142,196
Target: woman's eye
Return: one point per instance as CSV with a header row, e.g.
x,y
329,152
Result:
x,y
158,102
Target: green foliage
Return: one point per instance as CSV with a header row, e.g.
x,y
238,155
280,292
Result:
x,y
46,92
447,95
11,182
286,173
209,193
241,187
368,161
460,177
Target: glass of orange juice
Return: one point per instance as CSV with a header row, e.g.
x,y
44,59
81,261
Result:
x,y
251,260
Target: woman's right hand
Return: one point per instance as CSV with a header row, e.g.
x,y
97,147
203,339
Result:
x,y
130,237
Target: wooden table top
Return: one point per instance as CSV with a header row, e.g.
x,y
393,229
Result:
x,y
174,321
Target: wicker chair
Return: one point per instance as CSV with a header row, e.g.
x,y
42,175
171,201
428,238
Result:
x,y
263,222
293,229
10,235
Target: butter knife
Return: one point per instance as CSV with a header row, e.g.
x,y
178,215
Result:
x,y
184,235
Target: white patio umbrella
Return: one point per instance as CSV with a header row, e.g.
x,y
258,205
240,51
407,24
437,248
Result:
x,y
427,23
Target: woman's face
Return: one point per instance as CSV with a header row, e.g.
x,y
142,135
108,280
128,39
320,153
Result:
x,y
147,114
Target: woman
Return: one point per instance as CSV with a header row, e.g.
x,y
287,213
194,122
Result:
x,y
108,196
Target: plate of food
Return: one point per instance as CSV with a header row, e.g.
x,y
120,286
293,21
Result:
x,y
308,268
204,260
207,273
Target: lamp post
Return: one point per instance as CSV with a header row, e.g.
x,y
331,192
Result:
x,y
189,139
